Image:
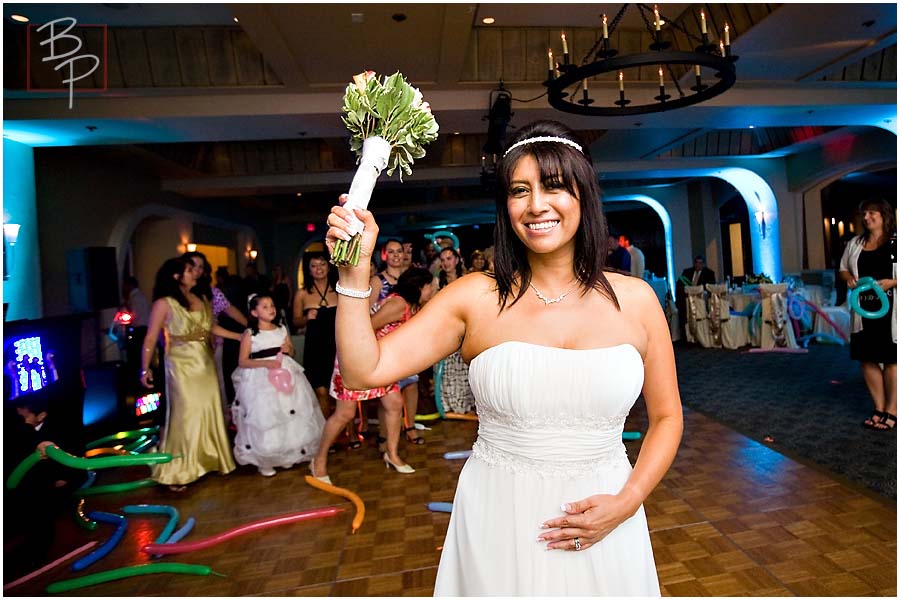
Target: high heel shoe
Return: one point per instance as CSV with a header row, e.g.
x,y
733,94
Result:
x,y
417,441
405,469
312,469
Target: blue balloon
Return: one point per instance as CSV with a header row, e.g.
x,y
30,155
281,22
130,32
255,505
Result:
x,y
440,506
103,517
863,285
457,454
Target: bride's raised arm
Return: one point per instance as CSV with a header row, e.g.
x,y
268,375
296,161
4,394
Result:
x,y
434,333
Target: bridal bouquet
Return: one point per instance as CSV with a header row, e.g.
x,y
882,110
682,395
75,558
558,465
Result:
x,y
389,126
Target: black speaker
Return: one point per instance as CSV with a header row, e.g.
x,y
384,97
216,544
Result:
x,y
93,278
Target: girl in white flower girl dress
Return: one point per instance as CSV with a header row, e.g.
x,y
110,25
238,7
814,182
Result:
x,y
275,410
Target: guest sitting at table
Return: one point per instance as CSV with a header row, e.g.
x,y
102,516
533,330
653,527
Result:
x,y
699,274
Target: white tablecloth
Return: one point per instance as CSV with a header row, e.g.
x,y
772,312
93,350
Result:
x,y
740,301
841,317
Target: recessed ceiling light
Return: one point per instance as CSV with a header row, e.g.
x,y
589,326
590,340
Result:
x,y
455,133
488,20
299,194
19,18
752,126
236,20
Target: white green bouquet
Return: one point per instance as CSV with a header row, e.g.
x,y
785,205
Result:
x,y
389,126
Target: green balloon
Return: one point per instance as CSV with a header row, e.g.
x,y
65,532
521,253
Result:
x,y
19,472
123,435
67,585
106,462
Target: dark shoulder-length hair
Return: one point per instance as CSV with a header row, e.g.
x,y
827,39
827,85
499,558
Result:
x,y
887,217
203,288
409,284
166,285
558,163
460,270
307,274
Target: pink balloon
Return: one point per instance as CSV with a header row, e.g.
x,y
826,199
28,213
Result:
x,y
241,530
282,380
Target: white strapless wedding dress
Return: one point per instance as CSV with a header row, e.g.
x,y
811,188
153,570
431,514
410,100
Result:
x,y
549,432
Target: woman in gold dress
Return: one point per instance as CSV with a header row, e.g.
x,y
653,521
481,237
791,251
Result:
x,y
195,425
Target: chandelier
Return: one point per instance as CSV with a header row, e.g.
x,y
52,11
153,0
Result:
x,y
563,76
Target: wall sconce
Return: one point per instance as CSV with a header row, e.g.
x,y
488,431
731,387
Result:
x,y
192,247
11,233
253,254
761,221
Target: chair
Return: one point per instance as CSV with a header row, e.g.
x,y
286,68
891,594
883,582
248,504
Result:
x,y
732,329
697,322
776,331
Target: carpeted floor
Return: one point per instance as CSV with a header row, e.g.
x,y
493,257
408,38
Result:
x,y
812,405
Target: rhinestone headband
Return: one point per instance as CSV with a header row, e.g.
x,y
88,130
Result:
x,y
544,138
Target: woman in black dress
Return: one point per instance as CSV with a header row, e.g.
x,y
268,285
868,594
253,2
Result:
x,y
873,342
314,308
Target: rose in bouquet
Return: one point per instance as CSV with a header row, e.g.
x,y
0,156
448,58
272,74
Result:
x,y
389,125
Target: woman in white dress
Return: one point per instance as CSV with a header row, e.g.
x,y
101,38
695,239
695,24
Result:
x,y
558,353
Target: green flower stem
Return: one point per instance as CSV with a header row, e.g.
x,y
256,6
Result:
x,y
347,253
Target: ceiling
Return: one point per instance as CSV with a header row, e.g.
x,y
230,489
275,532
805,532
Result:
x,y
799,66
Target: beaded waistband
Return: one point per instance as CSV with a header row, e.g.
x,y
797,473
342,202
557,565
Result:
x,y
615,457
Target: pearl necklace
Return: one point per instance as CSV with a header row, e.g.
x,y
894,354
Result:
x,y
548,301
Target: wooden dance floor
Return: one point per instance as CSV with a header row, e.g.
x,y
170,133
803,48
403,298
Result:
x,y
732,517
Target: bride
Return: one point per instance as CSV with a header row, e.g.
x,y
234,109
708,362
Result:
x,y
558,352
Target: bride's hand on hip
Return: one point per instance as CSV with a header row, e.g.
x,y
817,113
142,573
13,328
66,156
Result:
x,y
340,228
590,520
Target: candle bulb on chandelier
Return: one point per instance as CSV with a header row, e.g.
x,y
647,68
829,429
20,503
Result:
x,y
621,81
722,48
727,36
550,63
661,80
656,17
697,70
584,84
605,30
702,22
566,46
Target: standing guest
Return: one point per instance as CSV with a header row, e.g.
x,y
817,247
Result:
x,y
314,308
281,291
413,290
451,267
873,342
478,262
220,307
136,303
635,254
489,257
456,394
617,257
195,425
275,427
559,353
392,252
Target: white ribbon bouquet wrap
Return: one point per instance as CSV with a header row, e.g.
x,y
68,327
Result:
x,y
389,126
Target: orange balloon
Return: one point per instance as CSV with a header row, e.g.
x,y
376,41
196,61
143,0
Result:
x,y
105,452
460,416
333,489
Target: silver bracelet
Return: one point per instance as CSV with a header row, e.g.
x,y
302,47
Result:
x,y
352,293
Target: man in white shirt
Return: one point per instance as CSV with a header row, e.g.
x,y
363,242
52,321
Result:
x,y
637,256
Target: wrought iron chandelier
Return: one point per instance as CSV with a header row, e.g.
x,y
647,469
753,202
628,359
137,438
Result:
x,y
605,59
